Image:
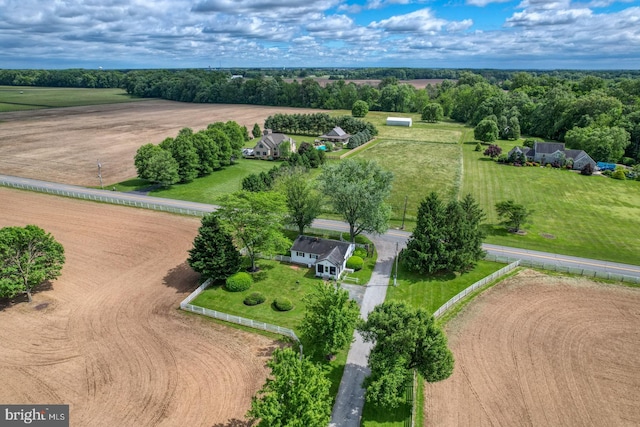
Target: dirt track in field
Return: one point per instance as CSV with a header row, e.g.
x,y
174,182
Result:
x,y
106,337
65,144
538,350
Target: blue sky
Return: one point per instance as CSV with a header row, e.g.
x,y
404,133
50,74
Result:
x,y
520,34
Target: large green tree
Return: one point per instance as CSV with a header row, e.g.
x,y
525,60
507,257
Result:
x,y
295,395
357,190
404,339
359,109
213,254
330,318
156,165
446,237
255,221
29,256
432,112
602,143
184,153
303,200
486,131
513,215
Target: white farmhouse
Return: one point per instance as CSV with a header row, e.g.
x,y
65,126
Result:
x,y
328,256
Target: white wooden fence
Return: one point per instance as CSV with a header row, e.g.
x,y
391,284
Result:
x,y
115,199
480,283
570,270
187,306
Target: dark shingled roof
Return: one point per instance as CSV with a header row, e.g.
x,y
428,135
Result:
x,y
336,133
326,249
548,147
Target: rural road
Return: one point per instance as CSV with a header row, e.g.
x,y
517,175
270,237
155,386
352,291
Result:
x,y
347,410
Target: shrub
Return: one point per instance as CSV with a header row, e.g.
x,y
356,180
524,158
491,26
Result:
x,y
478,147
618,174
254,298
283,304
355,263
361,252
239,282
628,161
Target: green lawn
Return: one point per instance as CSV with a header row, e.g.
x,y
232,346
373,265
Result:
x,y
207,189
588,216
15,98
419,167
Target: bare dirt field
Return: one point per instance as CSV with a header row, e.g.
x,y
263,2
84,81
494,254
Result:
x,y
64,144
107,338
538,350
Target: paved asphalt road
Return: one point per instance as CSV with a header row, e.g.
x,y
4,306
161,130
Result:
x,y
347,410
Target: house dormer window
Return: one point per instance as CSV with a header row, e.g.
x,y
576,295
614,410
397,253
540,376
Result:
x,y
261,146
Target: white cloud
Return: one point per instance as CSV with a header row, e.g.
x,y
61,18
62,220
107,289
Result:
x,y
483,3
420,21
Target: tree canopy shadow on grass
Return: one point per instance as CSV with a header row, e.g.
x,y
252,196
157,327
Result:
x,y
495,230
182,278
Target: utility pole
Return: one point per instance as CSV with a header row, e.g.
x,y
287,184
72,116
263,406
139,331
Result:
x,y
404,214
100,173
395,274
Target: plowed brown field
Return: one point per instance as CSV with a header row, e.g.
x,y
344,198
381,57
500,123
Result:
x,y
65,144
538,350
107,338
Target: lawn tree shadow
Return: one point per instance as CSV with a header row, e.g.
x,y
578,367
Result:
x,y
234,422
494,230
182,278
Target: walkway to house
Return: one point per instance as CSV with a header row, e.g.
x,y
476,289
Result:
x,y
347,411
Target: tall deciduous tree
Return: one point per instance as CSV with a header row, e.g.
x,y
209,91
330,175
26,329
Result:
x,y
29,256
156,165
357,190
295,394
486,131
255,221
512,214
303,200
330,319
359,109
184,153
432,112
603,144
213,254
405,339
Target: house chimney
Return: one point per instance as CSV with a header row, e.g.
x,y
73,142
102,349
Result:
x,y
267,132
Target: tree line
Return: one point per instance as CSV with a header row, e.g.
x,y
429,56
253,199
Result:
x,y
190,155
317,123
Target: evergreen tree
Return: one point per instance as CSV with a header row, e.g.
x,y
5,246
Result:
x,y
213,254
256,132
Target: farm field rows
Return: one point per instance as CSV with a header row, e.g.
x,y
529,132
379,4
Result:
x,y
542,350
64,144
106,337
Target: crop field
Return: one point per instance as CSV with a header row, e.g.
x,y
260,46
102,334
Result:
x,y
106,337
589,216
431,167
64,144
542,350
19,98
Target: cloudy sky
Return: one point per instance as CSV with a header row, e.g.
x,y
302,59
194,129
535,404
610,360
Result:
x,y
523,34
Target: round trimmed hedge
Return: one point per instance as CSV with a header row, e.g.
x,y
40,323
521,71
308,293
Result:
x,y
355,263
361,252
255,298
283,304
238,282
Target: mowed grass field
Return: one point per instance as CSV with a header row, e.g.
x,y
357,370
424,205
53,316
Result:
x,y
587,216
419,167
17,98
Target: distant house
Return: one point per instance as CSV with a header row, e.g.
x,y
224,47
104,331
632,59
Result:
x,y
271,144
329,257
399,121
551,152
336,135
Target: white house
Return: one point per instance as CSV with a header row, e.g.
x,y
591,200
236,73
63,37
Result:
x,y
328,256
399,121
